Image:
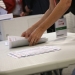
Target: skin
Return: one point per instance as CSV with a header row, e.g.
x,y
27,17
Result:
x,y
25,13
34,33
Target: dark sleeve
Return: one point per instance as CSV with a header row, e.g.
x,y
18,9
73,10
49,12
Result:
x,y
23,5
28,3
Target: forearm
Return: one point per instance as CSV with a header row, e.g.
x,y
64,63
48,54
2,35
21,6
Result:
x,y
48,12
42,19
58,11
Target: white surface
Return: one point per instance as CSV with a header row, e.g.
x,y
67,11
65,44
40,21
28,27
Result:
x,y
6,16
17,26
33,20
70,18
39,63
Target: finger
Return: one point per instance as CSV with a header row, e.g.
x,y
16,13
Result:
x,y
35,41
27,35
23,34
31,40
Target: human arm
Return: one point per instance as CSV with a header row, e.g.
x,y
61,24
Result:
x,y
47,13
31,29
58,11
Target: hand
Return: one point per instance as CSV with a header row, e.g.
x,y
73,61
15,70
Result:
x,y
27,33
27,9
24,14
35,36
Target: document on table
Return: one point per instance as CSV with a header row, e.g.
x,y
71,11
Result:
x,y
34,51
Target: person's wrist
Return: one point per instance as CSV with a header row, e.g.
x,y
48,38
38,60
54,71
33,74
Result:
x,y
27,12
40,29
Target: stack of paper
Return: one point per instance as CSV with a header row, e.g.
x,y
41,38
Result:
x,y
6,16
34,51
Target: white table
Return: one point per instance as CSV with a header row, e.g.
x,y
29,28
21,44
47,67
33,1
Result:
x,y
39,63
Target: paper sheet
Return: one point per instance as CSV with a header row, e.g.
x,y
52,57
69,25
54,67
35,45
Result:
x,y
34,51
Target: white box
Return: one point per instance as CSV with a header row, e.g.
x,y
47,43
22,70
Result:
x,y
17,26
6,16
